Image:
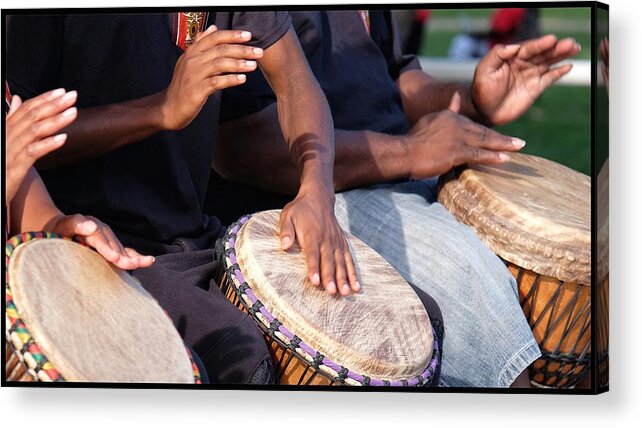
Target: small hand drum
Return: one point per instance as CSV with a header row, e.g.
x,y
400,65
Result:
x,y
381,336
71,316
536,215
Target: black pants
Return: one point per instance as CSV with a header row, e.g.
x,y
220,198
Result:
x,y
229,344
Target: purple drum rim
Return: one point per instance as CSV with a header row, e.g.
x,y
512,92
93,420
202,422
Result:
x,y
234,271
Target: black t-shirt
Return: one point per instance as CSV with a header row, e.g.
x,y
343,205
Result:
x,y
357,72
150,192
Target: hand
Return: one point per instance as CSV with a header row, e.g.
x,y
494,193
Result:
x,y
99,236
510,78
212,63
309,219
30,130
440,141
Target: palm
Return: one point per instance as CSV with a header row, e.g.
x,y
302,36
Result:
x,y
509,79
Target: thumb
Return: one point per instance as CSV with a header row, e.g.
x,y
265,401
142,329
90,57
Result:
x,y
16,102
76,225
498,54
287,233
455,103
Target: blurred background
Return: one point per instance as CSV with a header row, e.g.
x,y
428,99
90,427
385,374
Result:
x,y
451,41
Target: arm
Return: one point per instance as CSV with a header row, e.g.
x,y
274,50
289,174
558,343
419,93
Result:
x,y
436,143
361,157
210,64
308,130
33,210
507,82
422,94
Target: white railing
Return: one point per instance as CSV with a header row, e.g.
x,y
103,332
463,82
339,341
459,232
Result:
x,y
454,70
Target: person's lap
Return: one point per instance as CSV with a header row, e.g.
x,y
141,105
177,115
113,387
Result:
x,y
487,340
227,341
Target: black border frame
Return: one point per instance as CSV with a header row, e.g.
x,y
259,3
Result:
x,y
592,5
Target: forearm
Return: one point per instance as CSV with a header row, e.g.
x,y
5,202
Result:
x,y
100,130
308,130
361,157
422,94
32,208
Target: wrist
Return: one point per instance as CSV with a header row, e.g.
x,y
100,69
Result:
x,y
472,109
53,222
161,111
403,165
318,188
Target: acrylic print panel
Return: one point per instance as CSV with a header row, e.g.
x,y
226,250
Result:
x,y
525,223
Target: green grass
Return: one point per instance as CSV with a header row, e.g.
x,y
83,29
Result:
x,y
558,127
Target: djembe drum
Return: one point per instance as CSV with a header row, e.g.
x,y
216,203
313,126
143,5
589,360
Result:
x,y
71,316
381,336
536,215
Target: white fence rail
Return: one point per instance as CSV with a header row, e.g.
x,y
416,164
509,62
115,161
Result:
x,y
453,70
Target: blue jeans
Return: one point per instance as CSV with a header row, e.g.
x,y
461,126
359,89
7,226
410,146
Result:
x,y
487,340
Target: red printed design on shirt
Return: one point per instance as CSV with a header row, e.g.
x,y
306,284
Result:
x,y
185,26
7,95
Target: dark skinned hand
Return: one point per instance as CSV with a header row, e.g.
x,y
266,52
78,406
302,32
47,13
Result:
x,y
510,78
440,141
98,235
32,132
215,61
309,219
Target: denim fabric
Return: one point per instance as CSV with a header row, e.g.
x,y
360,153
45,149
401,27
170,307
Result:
x,y
487,340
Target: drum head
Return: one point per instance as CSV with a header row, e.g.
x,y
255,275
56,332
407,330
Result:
x,y
94,322
530,211
383,332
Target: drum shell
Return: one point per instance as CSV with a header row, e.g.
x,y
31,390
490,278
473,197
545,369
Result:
x,y
15,368
559,314
291,369
553,273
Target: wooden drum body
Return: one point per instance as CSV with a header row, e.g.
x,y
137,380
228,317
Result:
x,y
536,215
381,336
71,316
602,345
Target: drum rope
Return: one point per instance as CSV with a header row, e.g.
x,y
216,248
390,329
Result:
x,y
18,336
557,368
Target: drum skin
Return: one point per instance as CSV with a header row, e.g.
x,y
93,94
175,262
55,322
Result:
x,y
382,332
91,321
536,215
530,211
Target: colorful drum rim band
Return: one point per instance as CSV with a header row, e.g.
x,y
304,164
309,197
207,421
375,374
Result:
x,y
17,334
278,331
